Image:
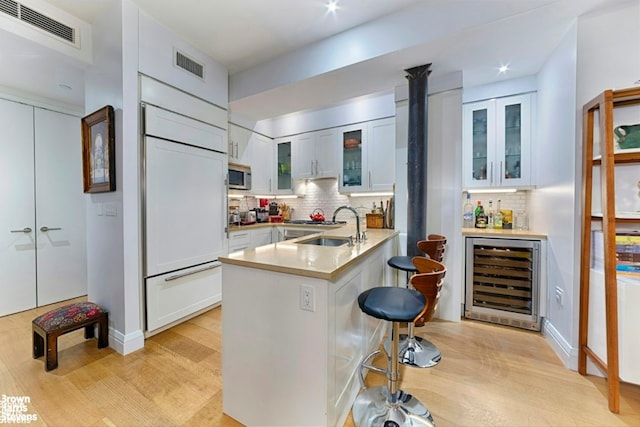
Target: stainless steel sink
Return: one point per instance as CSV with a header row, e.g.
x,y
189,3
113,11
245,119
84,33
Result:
x,y
326,241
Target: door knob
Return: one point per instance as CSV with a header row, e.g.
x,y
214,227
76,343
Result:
x,y
24,230
45,229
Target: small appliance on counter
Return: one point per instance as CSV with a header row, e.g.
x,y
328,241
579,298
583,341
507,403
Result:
x,y
261,215
274,209
234,215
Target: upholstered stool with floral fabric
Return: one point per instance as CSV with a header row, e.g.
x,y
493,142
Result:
x,y
49,326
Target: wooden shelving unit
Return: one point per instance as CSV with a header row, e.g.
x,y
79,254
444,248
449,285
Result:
x,y
604,104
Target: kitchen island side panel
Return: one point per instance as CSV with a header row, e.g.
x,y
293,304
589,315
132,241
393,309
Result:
x,y
274,352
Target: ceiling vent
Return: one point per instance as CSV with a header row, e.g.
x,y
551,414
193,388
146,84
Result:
x,y
39,20
188,64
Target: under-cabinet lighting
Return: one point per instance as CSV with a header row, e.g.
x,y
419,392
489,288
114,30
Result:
x,y
285,196
491,190
371,194
235,196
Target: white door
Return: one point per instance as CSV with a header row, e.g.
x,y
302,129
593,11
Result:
x,y
60,209
17,218
185,206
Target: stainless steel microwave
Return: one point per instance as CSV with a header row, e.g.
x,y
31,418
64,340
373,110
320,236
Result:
x,y
239,177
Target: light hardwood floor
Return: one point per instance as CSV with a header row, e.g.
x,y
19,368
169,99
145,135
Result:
x,y
489,376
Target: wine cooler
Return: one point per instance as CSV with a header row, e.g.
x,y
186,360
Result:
x,y
503,281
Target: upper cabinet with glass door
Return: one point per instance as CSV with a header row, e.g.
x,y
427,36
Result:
x,y
352,157
367,156
284,184
497,142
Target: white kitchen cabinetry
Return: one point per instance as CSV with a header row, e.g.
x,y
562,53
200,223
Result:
x,y
248,239
367,156
176,295
43,241
497,138
314,155
283,162
239,145
262,164
239,240
261,237
336,335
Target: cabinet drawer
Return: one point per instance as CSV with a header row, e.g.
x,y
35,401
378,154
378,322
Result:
x,y
173,296
239,240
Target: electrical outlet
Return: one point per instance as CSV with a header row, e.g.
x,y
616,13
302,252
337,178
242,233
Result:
x,y
559,295
307,300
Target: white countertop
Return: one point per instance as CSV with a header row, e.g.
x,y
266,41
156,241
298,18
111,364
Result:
x,y
323,262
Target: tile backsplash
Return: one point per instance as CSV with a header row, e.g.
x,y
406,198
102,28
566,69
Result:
x,y
322,194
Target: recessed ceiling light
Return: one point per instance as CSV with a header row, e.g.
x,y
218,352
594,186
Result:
x,y
332,6
503,69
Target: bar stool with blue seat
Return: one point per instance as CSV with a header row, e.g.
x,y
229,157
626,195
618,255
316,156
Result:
x,y
432,247
402,262
389,406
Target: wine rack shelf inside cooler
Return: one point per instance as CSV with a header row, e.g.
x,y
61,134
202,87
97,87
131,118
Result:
x,y
502,281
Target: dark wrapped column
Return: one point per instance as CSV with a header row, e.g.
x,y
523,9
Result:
x,y
417,158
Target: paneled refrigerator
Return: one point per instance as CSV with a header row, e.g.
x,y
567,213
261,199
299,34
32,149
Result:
x,y
185,168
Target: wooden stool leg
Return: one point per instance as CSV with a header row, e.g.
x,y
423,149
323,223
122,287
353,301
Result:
x,y
103,331
38,345
89,331
52,352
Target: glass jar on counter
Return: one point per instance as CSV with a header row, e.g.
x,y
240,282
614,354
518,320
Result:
x,y
522,220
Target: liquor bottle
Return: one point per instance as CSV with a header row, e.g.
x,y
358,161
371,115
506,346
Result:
x,y
477,210
497,216
481,218
489,214
467,216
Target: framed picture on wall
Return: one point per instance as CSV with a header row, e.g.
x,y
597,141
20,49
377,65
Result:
x,y
98,151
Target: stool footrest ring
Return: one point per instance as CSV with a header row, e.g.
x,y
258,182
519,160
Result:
x,y
364,365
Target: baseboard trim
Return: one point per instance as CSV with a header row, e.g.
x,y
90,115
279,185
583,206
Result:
x,y
563,349
125,344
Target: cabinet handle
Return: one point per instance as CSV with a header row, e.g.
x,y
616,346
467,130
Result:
x,y
491,174
270,185
24,230
216,264
316,167
45,229
369,180
501,174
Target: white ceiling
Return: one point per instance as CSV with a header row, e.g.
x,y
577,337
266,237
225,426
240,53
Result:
x,y
252,36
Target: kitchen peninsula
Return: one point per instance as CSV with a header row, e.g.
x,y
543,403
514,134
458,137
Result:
x,y
292,332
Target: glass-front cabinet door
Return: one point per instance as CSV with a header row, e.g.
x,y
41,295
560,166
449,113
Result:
x,y
352,156
514,140
283,165
479,137
497,142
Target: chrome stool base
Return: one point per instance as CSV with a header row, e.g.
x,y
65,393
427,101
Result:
x,y
416,351
374,407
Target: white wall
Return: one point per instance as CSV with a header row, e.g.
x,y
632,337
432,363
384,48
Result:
x,y
107,256
607,58
551,205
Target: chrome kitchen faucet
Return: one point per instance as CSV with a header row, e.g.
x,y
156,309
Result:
x,y
359,237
